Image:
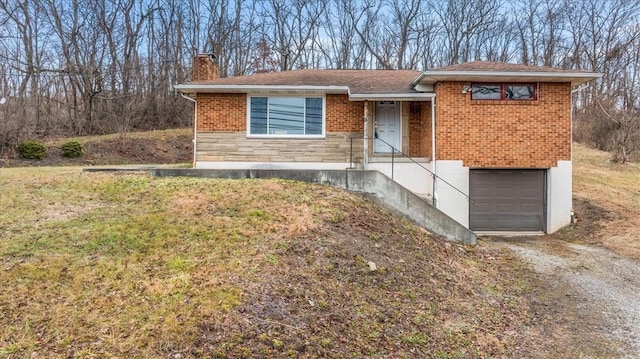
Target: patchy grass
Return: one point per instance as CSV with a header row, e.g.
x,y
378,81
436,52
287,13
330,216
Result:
x,y
616,189
125,265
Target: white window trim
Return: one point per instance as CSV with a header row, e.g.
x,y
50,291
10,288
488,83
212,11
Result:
x,y
306,95
503,84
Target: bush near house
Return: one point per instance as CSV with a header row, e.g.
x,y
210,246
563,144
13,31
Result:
x,y
32,150
71,149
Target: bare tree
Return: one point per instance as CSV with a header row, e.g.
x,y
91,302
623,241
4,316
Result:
x,y
341,48
290,27
404,31
605,38
540,25
462,24
366,21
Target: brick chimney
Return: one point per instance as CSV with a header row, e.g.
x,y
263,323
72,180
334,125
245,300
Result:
x,y
205,67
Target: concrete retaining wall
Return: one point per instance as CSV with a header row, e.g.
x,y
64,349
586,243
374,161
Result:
x,y
382,187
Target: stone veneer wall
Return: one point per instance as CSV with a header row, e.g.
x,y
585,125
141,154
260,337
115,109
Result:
x,y
504,134
236,147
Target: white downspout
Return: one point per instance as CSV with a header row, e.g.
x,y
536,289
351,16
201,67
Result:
x,y
579,88
195,126
433,151
365,145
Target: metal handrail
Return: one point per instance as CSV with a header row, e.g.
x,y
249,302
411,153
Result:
x,y
393,150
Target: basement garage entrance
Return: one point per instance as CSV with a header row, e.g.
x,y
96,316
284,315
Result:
x,y
507,200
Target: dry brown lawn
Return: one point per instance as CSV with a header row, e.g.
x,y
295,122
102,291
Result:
x,y
615,188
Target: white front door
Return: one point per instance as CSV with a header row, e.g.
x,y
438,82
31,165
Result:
x,y
387,126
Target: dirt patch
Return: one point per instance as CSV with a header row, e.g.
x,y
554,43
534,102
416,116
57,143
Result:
x,y
364,283
589,220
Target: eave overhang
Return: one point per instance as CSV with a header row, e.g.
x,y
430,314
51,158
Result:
x,y
575,78
301,90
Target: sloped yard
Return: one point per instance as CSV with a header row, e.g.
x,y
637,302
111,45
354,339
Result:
x,y
125,265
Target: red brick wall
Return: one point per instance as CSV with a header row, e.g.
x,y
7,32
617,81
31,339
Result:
x,y
504,134
344,115
420,129
222,112
228,112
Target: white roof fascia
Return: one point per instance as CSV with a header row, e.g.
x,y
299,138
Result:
x,y
434,76
391,96
204,88
512,73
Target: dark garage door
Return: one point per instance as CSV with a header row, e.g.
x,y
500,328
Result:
x,y
506,200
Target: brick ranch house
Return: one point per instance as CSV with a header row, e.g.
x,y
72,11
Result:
x,y
489,143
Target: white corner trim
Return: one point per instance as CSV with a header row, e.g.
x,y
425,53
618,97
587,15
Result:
x,y
559,196
450,200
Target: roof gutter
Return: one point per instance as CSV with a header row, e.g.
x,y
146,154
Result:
x,y
512,74
204,88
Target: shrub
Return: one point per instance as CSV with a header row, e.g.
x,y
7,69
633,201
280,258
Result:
x,y
32,150
71,149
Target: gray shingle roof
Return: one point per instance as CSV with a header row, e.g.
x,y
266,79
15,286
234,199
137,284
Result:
x,y
401,82
358,81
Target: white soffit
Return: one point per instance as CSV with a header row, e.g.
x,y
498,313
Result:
x,y
575,78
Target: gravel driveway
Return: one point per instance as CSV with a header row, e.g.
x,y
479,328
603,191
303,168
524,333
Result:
x,y
599,286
